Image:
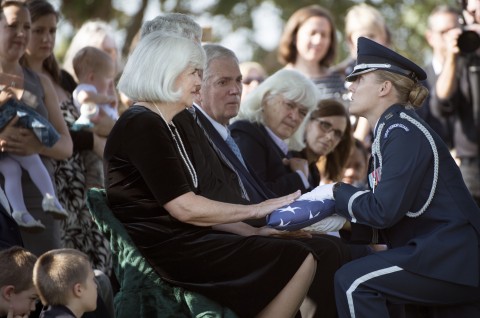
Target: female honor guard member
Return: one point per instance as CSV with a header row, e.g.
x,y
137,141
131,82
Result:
x,y
417,204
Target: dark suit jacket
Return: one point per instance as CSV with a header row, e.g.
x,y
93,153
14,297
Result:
x,y
216,180
263,155
256,190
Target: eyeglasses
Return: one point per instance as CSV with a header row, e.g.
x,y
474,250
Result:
x,y
327,127
248,80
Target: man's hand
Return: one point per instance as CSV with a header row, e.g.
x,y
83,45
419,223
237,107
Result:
x,y
297,164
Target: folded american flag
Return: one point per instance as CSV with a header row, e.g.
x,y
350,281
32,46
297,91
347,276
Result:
x,y
300,214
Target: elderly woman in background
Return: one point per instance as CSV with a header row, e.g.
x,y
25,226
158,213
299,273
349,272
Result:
x,y
268,125
152,188
328,139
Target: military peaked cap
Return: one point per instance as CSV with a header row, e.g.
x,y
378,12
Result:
x,y
372,56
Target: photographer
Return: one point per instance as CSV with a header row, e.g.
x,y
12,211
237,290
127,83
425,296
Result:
x,y
457,90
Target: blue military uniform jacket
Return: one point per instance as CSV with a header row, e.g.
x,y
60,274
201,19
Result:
x,y
435,233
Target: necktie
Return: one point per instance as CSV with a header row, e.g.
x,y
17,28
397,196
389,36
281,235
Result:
x,y
233,146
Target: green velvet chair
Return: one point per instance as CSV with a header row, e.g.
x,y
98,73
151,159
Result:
x,y
142,292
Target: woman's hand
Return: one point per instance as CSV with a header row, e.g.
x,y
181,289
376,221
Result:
x,y
103,124
268,231
19,141
25,143
266,207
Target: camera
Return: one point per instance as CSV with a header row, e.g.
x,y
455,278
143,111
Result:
x,y
468,41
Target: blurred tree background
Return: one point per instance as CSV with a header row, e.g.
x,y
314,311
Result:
x,y
406,19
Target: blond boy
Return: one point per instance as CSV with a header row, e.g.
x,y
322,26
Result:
x,y
18,295
65,283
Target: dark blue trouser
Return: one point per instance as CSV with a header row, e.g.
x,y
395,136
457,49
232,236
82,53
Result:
x,y
366,287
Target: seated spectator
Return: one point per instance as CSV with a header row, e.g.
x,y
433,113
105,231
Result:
x,y
153,189
65,283
269,124
253,74
357,166
328,142
17,292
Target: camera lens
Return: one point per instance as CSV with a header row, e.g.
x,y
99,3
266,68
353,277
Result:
x,y
468,41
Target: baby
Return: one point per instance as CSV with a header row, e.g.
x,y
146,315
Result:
x,y
11,165
95,93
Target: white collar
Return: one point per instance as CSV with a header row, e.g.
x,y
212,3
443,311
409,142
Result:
x,y
222,130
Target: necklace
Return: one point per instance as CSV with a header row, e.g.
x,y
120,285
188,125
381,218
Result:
x,y
181,149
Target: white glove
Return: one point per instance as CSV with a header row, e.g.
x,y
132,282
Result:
x,y
320,193
329,224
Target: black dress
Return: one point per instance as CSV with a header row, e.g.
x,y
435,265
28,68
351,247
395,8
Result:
x,y
144,170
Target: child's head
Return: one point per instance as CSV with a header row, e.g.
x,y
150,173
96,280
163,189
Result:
x,y
94,66
355,172
65,277
16,283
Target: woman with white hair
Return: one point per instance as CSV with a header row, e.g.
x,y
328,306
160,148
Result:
x,y
270,123
153,189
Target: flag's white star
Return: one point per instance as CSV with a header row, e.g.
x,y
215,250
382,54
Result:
x,y
288,209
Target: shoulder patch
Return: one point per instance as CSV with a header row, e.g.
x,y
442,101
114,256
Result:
x,y
391,127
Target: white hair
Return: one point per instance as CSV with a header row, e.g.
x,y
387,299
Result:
x,y
173,23
155,64
213,52
291,85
